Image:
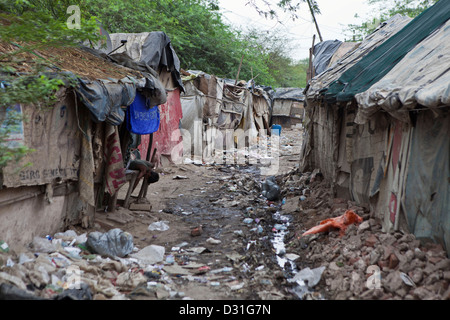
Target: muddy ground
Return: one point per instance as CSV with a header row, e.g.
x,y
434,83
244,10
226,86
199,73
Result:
x,y
214,197
226,241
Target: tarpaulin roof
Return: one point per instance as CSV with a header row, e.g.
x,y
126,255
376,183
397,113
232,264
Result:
x,y
105,97
320,83
295,94
153,48
372,67
421,77
323,52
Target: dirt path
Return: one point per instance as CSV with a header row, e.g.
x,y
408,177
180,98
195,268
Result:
x,y
238,257
248,248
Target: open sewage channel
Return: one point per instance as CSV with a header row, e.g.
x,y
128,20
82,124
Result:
x,y
241,200
246,247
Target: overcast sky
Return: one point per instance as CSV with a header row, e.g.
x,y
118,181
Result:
x,y
333,20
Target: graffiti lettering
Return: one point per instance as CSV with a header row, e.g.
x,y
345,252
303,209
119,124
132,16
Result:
x,y
37,174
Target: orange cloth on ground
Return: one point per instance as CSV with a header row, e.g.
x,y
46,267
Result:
x,y
341,223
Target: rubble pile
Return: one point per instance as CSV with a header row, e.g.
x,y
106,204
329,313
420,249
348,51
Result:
x,y
67,267
245,245
366,263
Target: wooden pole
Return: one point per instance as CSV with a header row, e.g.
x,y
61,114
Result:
x,y
239,70
310,74
314,18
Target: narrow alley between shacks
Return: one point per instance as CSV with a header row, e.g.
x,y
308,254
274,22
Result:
x,y
207,232
157,151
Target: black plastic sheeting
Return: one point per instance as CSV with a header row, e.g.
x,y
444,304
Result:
x,y
323,52
157,51
295,94
153,89
104,98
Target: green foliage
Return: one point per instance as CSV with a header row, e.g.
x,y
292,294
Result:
x,y
385,10
200,37
265,8
28,25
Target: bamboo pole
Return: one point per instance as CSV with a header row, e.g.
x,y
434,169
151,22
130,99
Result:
x,y
315,21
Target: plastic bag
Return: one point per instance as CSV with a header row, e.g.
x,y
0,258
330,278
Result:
x,y
270,189
159,226
341,223
114,243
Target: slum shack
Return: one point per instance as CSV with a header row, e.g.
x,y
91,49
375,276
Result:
x,y
154,49
287,106
78,157
220,115
378,124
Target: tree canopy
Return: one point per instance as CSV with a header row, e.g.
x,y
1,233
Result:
x,y
383,10
196,28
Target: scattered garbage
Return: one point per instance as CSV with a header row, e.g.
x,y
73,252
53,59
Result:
x,y
278,227
11,292
197,231
178,177
306,279
150,254
159,226
170,259
43,245
407,279
83,293
341,223
309,277
270,189
114,243
247,220
152,273
213,241
4,246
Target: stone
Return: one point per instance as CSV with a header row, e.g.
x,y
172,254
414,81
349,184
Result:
x,y
374,256
416,275
434,259
387,239
393,282
393,261
422,294
419,254
409,255
365,225
446,275
432,278
407,238
360,265
443,264
371,240
333,266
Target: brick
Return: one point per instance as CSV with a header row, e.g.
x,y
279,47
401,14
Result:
x,y
393,261
371,240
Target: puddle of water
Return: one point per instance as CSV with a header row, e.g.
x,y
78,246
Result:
x,y
279,233
278,240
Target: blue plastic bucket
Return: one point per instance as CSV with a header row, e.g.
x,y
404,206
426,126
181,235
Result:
x,y
276,129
